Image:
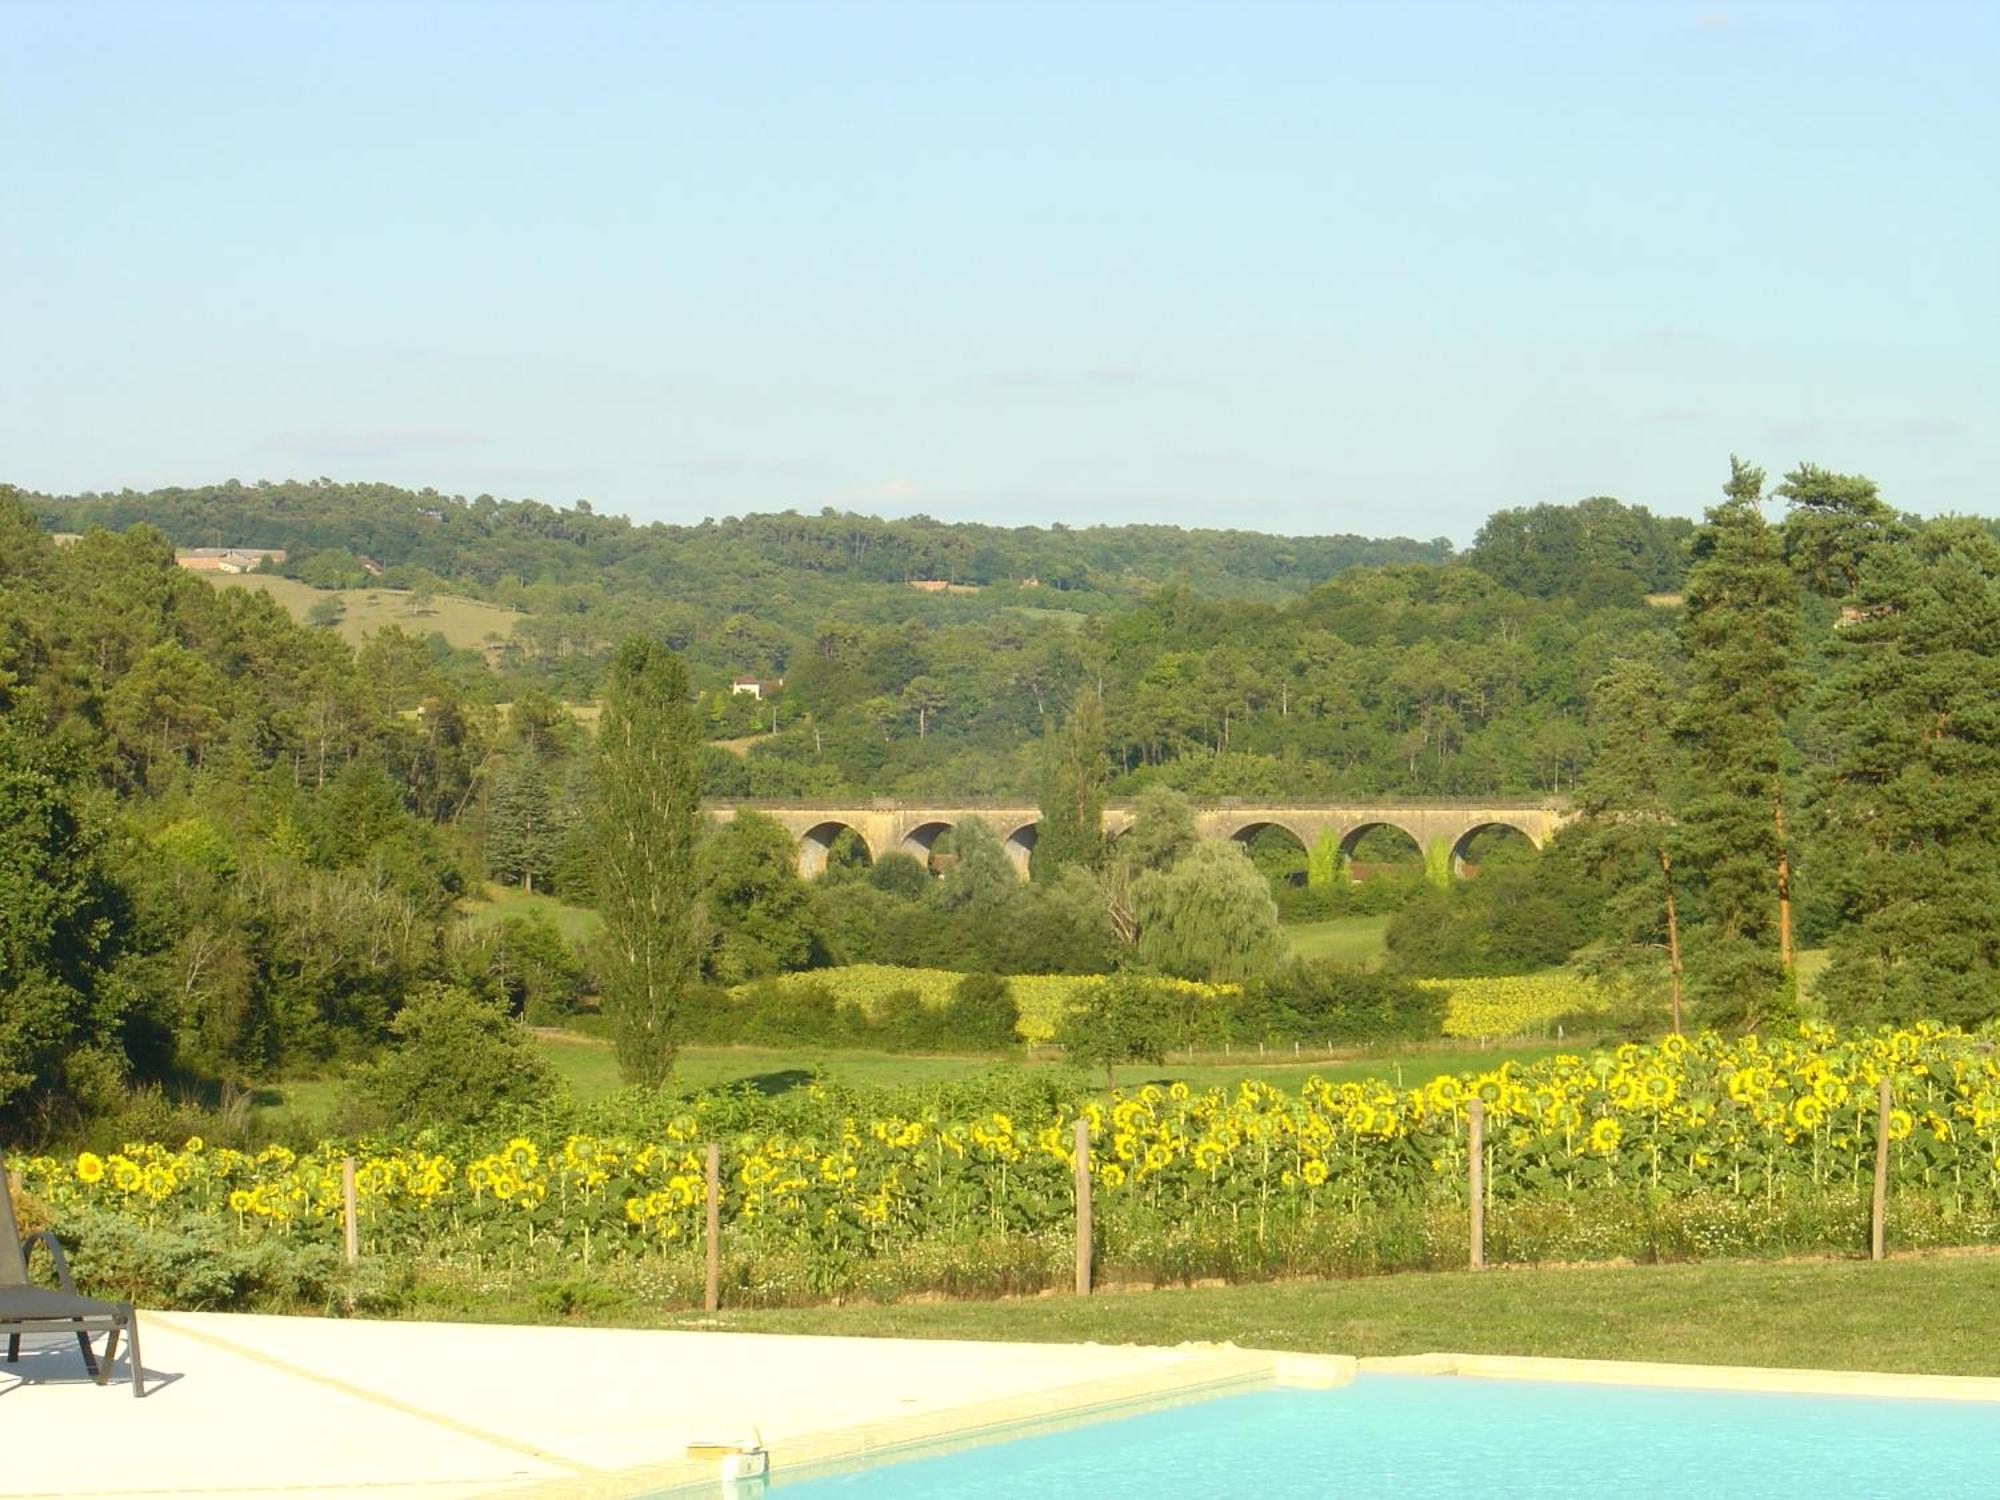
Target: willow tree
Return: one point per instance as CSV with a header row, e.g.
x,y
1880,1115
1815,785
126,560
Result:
x,y
644,819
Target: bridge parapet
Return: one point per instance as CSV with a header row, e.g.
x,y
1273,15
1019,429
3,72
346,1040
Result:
x,y
1441,829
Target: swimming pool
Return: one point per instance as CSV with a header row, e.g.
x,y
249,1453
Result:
x,y
1412,1436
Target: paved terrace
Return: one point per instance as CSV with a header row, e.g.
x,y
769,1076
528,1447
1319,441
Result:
x,y
249,1406
243,1406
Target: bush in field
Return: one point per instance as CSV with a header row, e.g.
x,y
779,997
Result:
x,y
1319,1001
903,1023
524,963
1510,919
1040,999
930,1011
1127,1018
982,1013
455,1059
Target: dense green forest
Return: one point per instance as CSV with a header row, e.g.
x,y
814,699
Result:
x,y
1229,662
232,845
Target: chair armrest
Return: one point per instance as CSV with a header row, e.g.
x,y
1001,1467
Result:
x,y
48,1238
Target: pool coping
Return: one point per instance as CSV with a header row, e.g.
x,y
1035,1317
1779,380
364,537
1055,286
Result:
x,y
1211,1371
1775,1380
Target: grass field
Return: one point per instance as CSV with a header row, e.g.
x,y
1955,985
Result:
x,y
591,1070
1835,1314
577,924
461,621
1345,940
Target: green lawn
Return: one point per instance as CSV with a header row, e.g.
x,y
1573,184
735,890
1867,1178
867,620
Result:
x,y
577,924
1347,940
1824,1314
590,1068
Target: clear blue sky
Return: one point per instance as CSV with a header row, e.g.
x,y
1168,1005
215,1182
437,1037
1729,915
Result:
x,y
1298,267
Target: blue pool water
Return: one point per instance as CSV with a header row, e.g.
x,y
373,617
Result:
x,y
1417,1436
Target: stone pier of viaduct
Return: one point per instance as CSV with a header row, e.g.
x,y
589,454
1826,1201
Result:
x,y
914,828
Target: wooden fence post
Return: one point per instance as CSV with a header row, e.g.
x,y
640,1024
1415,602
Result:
x,y
711,1297
351,1230
1475,1175
1879,1212
1083,1229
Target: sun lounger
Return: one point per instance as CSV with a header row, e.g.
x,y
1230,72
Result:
x,y
28,1308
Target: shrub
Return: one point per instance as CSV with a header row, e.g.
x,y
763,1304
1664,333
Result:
x,y
455,1059
198,1263
1315,1000
1126,1018
900,874
982,1013
524,963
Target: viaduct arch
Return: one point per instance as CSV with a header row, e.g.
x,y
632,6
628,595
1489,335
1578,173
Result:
x,y
1443,830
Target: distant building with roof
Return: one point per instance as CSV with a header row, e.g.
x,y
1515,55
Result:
x,y
226,559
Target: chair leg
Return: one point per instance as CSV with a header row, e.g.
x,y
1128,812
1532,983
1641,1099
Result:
x,y
89,1359
110,1356
132,1351
13,1347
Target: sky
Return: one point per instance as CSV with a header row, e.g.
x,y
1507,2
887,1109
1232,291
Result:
x,y
1298,267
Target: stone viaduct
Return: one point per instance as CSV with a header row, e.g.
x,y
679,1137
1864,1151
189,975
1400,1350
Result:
x,y
1440,829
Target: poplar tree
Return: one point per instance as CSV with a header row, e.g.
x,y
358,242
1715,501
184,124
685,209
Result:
x,y
644,819
1072,791
1908,725
1740,633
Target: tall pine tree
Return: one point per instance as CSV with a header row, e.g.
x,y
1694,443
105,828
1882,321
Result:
x,y
1908,726
521,832
643,826
1740,633
1834,521
1627,799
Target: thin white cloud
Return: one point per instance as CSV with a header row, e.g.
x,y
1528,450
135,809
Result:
x,y
373,442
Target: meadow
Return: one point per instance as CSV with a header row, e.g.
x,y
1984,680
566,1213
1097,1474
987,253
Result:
x,y
1342,940
463,622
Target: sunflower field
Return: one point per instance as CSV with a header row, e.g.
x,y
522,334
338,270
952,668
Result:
x,y
1691,1147
1516,1005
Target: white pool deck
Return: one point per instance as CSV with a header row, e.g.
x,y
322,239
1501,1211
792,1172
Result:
x,y
249,1406
242,1406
